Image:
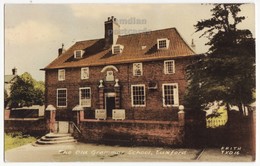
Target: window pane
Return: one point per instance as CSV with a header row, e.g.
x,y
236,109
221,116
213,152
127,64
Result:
x,y
62,97
169,94
138,95
85,97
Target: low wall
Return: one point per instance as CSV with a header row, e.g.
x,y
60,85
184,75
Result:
x,y
26,126
159,133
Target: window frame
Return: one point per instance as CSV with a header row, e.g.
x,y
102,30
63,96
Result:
x,y
167,42
141,68
175,95
57,98
59,74
81,73
81,54
89,96
132,95
121,47
166,71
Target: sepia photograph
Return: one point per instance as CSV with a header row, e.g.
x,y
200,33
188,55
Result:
x,y
129,82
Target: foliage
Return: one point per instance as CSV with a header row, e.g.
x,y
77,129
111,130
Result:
x,y
6,98
13,140
227,72
26,91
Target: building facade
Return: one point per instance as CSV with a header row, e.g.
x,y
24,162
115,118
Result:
x,y
136,77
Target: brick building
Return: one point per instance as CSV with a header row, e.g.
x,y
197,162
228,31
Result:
x,y
137,78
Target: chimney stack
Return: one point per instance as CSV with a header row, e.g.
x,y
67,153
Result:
x,y
14,71
61,50
112,30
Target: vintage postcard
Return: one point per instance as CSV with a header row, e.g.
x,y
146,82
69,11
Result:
x,y
88,82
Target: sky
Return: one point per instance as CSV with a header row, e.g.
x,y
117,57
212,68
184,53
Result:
x,y
34,32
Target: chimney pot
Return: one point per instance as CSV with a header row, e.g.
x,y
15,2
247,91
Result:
x,y
14,71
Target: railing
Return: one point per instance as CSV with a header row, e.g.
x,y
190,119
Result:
x,y
73,126
213,123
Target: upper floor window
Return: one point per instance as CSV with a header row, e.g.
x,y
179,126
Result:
x,y
137,69
117,49
169,67
163,43
85,73
138,95
62,97
78,54
85,97
170,94
61,74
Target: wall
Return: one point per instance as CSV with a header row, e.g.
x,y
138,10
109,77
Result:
x,y
153,110
149,134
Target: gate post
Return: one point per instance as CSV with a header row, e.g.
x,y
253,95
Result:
x,y
51,121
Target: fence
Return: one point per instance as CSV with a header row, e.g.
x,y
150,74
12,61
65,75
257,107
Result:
x,y
213,123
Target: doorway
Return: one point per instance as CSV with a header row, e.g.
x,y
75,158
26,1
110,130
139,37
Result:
x,y
110,104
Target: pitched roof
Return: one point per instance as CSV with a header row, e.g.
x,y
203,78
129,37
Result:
x,y
95,54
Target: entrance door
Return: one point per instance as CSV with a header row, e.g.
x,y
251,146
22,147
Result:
x,y
110,105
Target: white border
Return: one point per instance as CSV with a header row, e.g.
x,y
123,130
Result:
x,y
66,97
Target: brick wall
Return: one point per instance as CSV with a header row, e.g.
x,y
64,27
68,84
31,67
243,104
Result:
x,y
152,71
149,134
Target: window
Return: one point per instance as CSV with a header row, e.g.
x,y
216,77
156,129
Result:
x,y
78,54
137,69
84,73
169,67
138,95
117,49
61,74
163,43
62,97
85,97
170,95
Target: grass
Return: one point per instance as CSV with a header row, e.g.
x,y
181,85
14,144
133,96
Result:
x,y
13,140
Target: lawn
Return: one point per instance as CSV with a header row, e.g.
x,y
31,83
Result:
x,y
13,140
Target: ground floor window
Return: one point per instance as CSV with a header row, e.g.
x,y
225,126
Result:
x,y
85,97
170,94
138,95
62,97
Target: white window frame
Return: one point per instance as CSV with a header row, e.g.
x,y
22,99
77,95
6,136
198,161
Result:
x,y
167,43
166,71
121,47
82,73
81,54
175,95
60,78
80,101
132,96
141,68
57,98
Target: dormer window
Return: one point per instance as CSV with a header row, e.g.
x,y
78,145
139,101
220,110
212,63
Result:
x,y
163,43
78,54
117,49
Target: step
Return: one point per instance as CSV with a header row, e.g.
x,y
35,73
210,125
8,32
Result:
x,y
55,142
56,135
44,138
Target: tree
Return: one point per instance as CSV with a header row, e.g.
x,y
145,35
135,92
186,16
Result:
x,y
227,71
26,91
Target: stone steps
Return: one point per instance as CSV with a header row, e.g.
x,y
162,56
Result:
x,y
56,138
